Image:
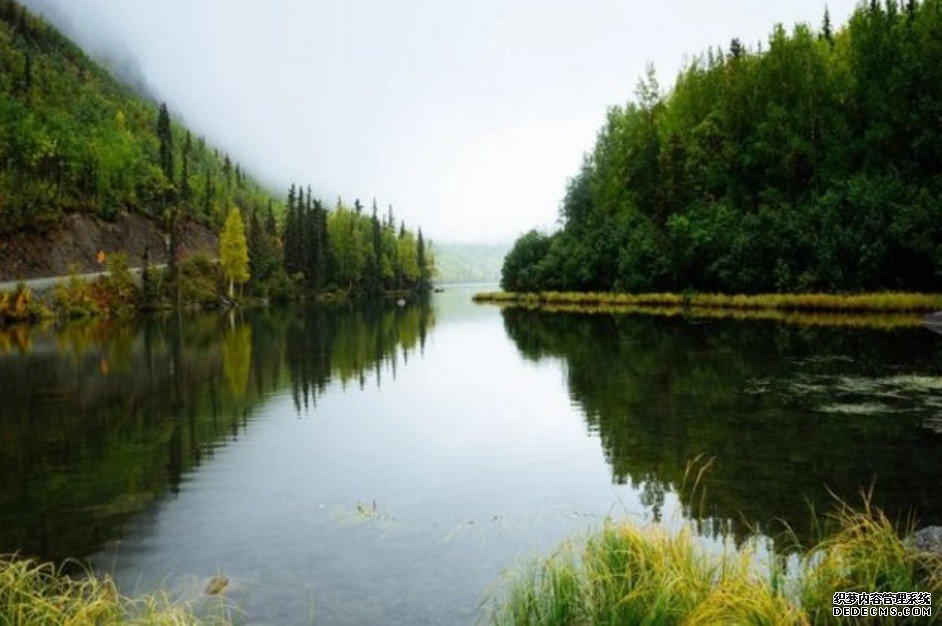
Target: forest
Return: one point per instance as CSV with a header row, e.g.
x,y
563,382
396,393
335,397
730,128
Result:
x,y
73,139
810,163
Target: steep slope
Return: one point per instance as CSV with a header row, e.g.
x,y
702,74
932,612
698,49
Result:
x,y
75,141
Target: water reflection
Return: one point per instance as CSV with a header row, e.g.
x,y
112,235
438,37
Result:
x,y
788,415
98,419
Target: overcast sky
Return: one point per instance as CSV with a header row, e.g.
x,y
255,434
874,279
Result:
x,y
468,116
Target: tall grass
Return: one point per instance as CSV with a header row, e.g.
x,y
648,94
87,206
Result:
x,y
628,574
862,302
36,594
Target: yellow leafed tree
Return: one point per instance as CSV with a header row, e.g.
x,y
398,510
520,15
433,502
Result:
x,y
233,251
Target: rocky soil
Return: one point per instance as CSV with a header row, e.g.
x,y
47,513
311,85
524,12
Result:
x,y
77,241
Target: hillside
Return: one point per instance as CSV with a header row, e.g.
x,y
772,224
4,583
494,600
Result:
x,y
469,263
73,140
810,163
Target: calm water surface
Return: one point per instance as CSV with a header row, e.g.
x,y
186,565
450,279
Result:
x,y
383,464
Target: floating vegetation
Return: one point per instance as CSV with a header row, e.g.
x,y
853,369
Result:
x,y
856,395
364,513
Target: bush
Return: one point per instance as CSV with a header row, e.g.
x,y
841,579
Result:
x,y
199,283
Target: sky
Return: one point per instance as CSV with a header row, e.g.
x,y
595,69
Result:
x,y
468,116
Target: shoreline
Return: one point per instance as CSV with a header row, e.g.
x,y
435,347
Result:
x,y
886,311
880,302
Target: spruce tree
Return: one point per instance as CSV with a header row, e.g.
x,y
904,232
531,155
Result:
x,y
165,137
255,246
27,74
186,192
424,278
208,195
291,234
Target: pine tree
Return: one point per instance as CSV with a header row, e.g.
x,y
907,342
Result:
x,y
322,246
826,31
255,246
208,194
186,192
291,234
424,273
271,228
306,240
27,74
165,137
165,156
233,251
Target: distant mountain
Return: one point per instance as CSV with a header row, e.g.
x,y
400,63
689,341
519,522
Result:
x,y
469,263
74,139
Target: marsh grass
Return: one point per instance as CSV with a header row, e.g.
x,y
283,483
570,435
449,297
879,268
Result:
x,y
879,311
863,302
623,573
37,594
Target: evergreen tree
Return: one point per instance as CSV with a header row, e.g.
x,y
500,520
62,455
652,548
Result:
x,y
186,192
256,247
292,263
208,194
826,27
27,81
165,137
425,278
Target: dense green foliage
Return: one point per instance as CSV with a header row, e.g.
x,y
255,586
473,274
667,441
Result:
x,y
346,250
811,164
72,138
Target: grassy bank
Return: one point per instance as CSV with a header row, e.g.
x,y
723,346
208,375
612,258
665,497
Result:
x,y
888,302
819,319
40,595
625,574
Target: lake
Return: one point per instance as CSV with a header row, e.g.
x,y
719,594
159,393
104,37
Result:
x,y
375,463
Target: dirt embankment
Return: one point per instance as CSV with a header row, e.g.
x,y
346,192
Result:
x,y
78,239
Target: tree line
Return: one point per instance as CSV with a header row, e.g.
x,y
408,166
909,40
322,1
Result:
x,y
809,163
316,250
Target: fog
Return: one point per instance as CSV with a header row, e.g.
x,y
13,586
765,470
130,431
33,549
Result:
x,y
468,117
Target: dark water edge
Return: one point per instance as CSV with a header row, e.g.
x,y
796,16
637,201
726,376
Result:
x,y
324,454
